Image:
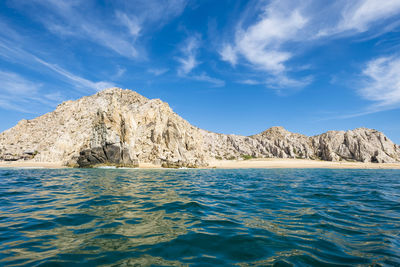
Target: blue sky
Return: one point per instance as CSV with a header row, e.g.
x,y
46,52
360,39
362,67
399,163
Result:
x,y
226,66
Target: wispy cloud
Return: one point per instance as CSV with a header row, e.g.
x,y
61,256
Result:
x,y
20,94
152,14
10,51
131,23
282,81
268,43
70,19
228,54
250,82
188,60
118,30
360,15
261,43
205,78
14,84
382,82
157,72
75,79
119,73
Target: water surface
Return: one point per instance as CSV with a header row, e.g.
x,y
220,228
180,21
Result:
x,y
266,217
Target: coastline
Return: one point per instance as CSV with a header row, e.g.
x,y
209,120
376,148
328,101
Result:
x,y
271,163
32,164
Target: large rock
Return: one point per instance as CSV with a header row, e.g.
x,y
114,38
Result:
x,y
123,128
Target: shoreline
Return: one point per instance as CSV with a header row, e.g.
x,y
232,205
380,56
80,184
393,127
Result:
x,y
272,163
278,163
32,164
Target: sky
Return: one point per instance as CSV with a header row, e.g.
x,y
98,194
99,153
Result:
x,y
228,66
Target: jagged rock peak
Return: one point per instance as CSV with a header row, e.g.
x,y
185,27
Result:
x,y
275,130
122,127
116,91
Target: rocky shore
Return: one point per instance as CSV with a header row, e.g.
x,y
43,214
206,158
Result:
x,y
122,128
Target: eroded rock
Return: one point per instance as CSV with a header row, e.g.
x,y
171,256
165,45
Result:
x,y
123,128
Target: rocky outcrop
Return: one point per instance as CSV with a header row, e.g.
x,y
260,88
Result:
x,y
362,144
121,127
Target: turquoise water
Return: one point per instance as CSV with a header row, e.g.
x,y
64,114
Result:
x,y
278,217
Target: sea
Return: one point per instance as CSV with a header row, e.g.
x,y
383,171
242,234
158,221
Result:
x,y
199,217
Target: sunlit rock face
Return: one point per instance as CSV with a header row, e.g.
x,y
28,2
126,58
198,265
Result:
x,y
121,127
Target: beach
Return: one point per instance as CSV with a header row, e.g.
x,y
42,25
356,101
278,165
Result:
x,y
299,163
235,164
31,164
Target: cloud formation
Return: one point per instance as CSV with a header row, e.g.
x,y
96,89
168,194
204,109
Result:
x,y
10,52
203,77
157,72
18,93
188,60
75,79
269,42
382,82
360,15
69,19
261,43
117,31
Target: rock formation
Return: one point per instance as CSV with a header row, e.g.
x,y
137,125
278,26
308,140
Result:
x,y
121,127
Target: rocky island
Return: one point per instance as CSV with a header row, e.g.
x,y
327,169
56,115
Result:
x,y
123,128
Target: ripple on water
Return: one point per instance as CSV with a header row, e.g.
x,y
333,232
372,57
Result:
x,y
250,217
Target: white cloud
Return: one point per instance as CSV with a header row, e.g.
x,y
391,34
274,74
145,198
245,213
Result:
x,y
188,59
228,54
205,78
10,52
118,29
14,84
382,83
54,96
69,18
250,82
75,79
268,34
130,22
157,72
19,94
119,73
188,62
359,15
261,43
282,81
152,13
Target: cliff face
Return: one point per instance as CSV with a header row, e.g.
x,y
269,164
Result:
x,y
122,127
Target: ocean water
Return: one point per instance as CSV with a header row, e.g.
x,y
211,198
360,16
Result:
x,y
255,217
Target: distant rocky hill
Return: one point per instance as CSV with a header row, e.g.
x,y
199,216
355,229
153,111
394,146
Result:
x,y
121,127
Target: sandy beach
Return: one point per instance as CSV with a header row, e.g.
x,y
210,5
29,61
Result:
x,y
31,164
299,163
234,164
